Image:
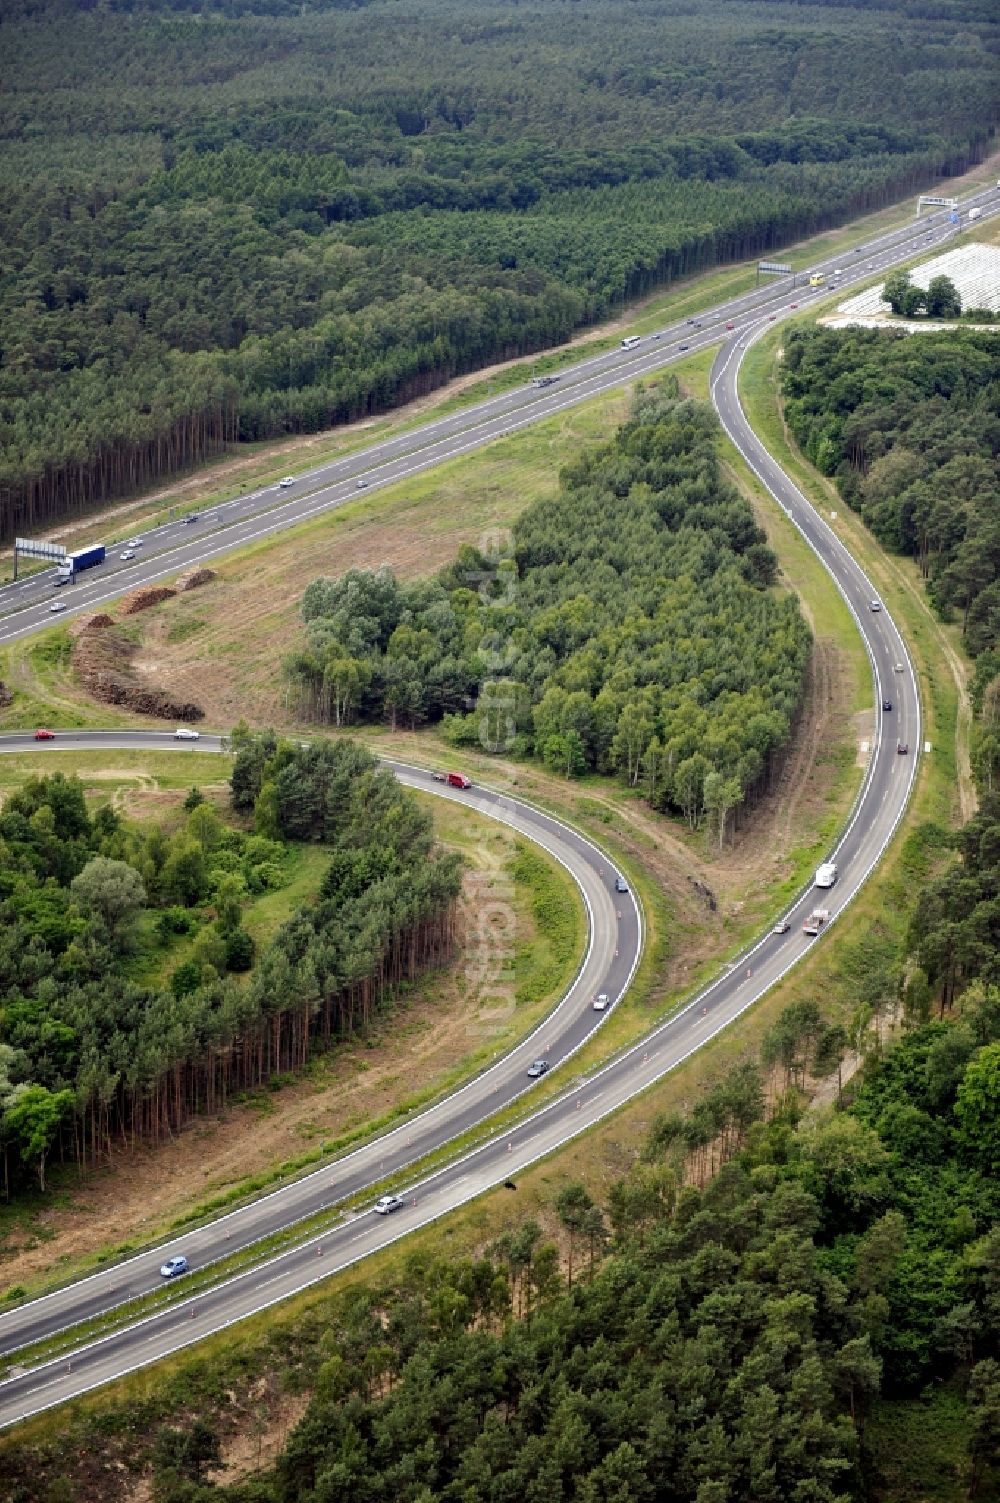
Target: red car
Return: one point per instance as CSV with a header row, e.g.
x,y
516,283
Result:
x,y
459,780
730,326
41,735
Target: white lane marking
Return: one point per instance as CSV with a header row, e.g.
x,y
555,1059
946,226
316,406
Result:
x,y
273,1280
627,370
676,1016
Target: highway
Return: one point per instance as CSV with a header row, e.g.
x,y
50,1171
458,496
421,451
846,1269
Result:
x,y
179,544
614,923
614,944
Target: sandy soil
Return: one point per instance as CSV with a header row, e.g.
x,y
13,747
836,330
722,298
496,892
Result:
x,y
260,1426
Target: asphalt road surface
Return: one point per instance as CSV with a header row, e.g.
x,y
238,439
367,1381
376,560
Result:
x,y
614,944
182,544
615,923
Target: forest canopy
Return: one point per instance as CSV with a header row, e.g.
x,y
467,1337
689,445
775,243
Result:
x,y
131,997
910,428
720,1342
225,222
632,627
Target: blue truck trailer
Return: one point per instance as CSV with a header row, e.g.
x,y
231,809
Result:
x,y
74,563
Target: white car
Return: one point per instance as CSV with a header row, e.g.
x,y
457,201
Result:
x,y
183,734
128,554
134,543
601,1002
781,927
876,605
284,484
174,1266
57,605
388,1204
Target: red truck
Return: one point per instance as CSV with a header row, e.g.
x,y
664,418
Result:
x,y
459,780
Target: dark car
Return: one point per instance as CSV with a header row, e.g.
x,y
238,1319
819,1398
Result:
x,y
173,1266
901,748
621,885
684,347
192,516
887,704
536,1068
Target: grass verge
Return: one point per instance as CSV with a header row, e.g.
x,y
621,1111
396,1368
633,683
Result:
x,y
549,935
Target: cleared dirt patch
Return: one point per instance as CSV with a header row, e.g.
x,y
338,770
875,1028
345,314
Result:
x,y
103,659
145,599
223,647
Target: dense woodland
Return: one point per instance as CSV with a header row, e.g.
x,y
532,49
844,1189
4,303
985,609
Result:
x,y
910,429
123,1010
721,1341
632,627
224,222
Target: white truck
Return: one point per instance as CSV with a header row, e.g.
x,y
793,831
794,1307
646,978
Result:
x,y
826,874
815,921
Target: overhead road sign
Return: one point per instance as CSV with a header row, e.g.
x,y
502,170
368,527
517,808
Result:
x,y
32,548
36,548
934,201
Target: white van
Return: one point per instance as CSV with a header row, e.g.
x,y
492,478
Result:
x,y
631,342
826,874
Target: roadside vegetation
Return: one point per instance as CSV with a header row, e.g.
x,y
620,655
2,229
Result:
x,y
698,900
430,1036
876,1250
232,225
907,429
630,627
923,473
122,947
727,1314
